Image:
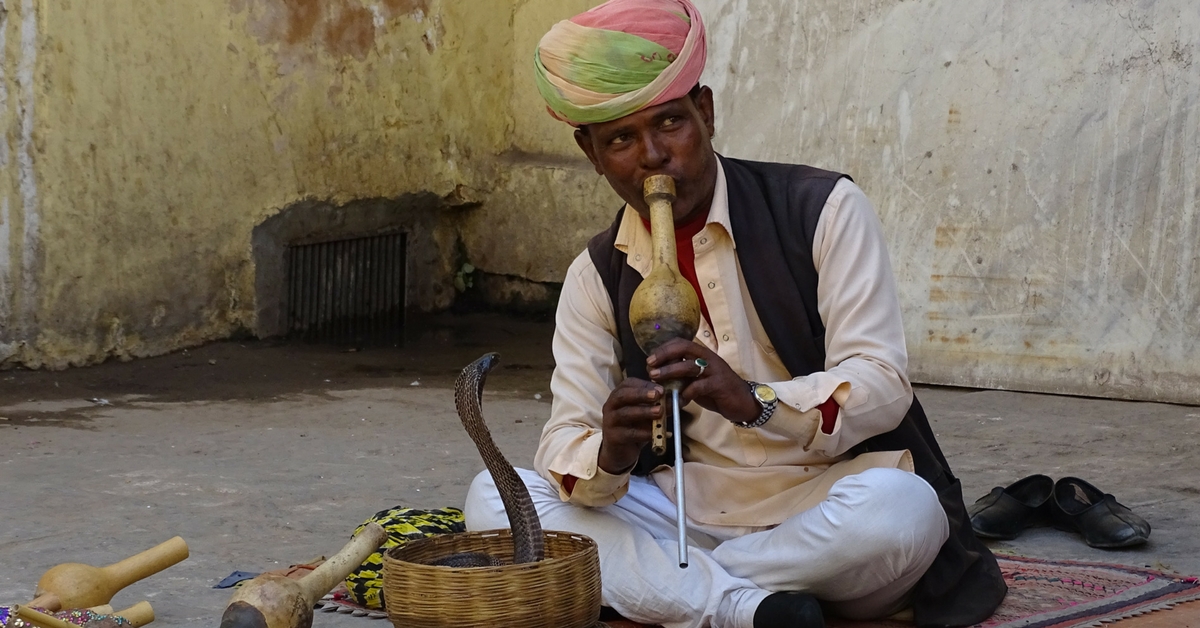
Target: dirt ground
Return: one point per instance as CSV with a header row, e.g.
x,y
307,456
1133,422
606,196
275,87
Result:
x,y
263,454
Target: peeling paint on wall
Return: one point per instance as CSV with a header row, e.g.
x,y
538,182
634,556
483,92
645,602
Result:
x,y
30,201
1037,170
145,146
20,203
141,148
7,344
334,27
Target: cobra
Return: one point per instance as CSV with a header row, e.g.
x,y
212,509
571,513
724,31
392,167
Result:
x,y
528,543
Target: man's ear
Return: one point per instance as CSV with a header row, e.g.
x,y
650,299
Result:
x,y
584,140
704,102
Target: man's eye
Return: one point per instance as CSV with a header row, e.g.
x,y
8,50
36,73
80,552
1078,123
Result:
x,y
620,139
672,121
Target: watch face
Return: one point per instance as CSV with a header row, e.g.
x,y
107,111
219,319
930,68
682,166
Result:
x,y
764,393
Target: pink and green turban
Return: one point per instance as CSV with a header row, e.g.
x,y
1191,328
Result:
x,y
619,58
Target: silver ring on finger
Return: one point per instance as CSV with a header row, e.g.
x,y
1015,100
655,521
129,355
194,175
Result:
x,y
702,364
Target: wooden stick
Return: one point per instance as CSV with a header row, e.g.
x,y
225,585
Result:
x,y
138,615
280,602
39,619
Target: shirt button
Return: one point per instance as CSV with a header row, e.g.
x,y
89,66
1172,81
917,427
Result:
x,y
703,240
706,334
637,257
712,284
725,337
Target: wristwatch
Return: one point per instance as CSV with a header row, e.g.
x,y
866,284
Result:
x,y
765,396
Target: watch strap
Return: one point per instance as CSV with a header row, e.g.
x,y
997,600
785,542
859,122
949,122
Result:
x,y
768,408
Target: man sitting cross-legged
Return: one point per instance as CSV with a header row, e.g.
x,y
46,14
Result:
x,y
813,481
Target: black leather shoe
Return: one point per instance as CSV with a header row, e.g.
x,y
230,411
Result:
x,y
1104,523
1005,512
789,609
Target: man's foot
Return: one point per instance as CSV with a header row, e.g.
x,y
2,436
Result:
x,y
789,609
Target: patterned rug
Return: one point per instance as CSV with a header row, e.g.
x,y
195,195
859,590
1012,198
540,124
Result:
x,y
339,600
1041,594
1069,594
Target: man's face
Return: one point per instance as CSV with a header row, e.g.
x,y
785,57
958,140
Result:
x,y
674,138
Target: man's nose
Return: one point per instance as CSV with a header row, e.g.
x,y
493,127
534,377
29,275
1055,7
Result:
x,y
654,153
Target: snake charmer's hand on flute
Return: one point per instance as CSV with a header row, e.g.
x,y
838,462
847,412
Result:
x,y
628,416
633,405
715,387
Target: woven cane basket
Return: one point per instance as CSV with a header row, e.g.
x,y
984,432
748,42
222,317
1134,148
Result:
x,y
561,591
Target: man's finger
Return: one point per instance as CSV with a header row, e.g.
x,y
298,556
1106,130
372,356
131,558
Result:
x,y
636,434
637,414
677,370
638,394
674,350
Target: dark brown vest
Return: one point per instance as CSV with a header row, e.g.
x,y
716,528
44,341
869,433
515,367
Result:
x,y
773,210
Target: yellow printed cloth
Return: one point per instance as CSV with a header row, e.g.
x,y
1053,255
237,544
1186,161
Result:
x,y
365,584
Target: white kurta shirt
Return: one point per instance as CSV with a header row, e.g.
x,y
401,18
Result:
x,y
737,476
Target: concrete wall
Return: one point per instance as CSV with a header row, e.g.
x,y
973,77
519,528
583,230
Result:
x,y
1036,167
145,140
547,199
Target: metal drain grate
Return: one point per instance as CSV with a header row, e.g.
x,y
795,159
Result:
x,y
348,291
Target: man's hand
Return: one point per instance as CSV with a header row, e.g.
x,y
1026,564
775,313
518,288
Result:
x,y
718,389
629,414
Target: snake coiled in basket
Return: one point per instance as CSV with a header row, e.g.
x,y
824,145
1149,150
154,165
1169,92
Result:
x,y
528,542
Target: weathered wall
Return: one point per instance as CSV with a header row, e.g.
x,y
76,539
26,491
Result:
x,y
1036,167
145,140
546,200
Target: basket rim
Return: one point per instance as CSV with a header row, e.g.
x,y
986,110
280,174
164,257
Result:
x,y
589,546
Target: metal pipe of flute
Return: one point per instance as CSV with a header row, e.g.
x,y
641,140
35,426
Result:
x,y
680,517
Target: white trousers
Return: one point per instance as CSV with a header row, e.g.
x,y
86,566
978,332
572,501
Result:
x,y
861,550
